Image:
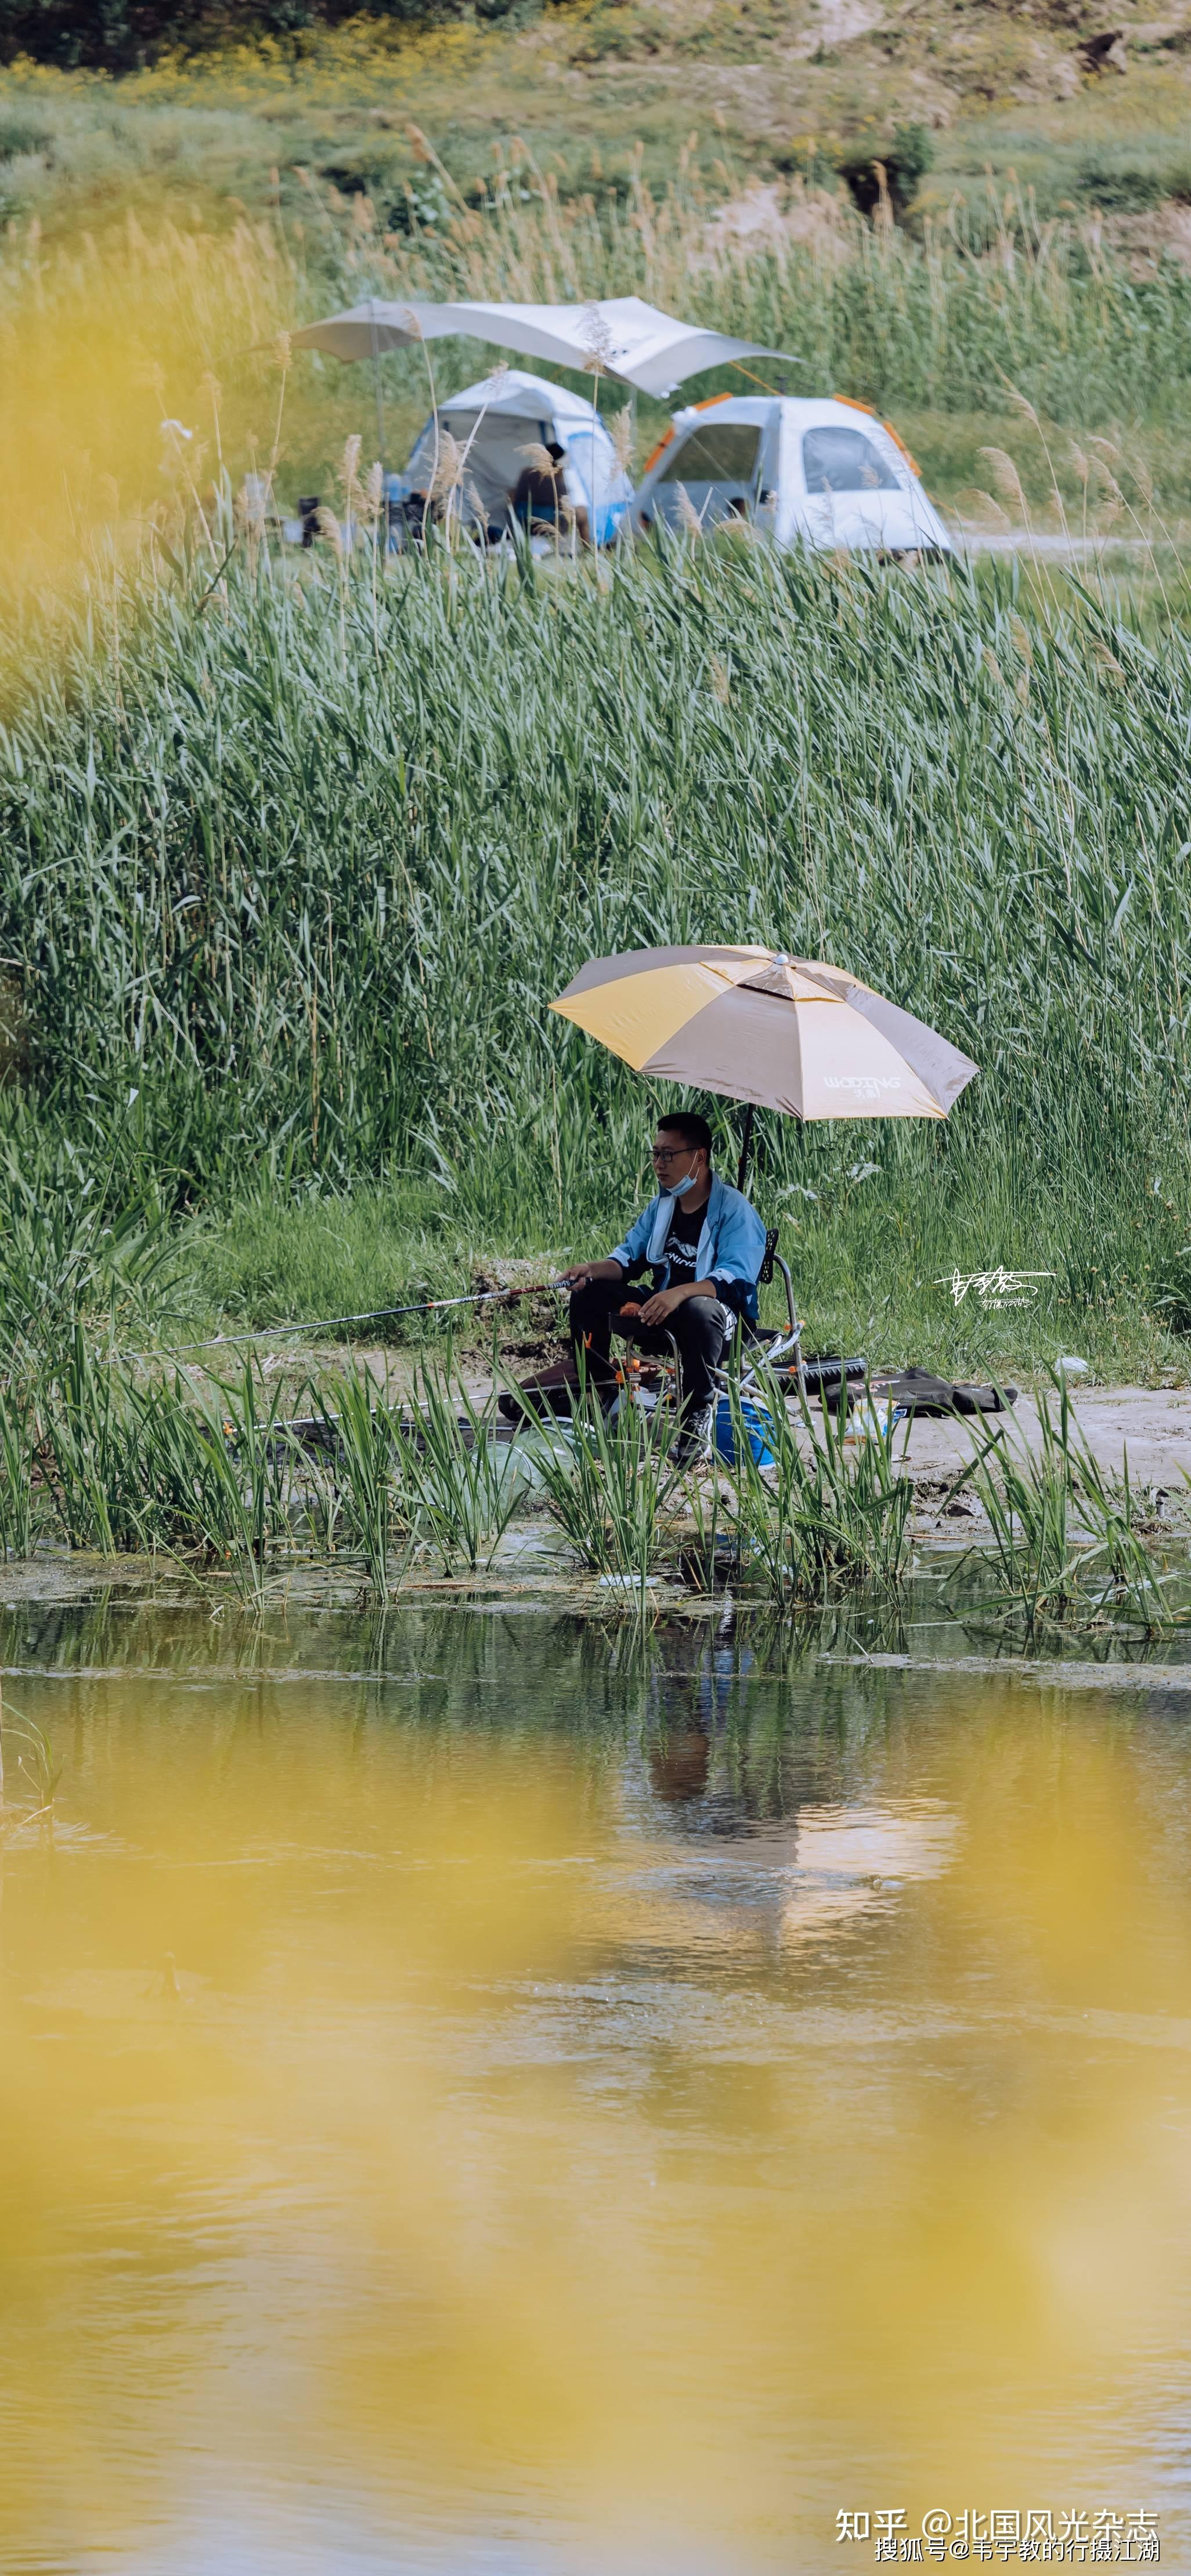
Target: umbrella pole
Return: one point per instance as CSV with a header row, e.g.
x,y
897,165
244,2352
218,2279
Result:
x,y
746,1146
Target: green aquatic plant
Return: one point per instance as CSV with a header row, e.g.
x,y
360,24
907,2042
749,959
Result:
x,y
89,1448
1132,1587
361,1437
455,1485
19,1515
1065,1544
250,1454
610,1488
828,1514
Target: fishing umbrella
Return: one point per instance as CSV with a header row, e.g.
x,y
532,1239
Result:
x,y
774,1031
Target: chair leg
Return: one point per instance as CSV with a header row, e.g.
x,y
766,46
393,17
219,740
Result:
x,y
677,1359
795,1352
629,1359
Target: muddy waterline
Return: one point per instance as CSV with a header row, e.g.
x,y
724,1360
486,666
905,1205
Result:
x,y
482,2093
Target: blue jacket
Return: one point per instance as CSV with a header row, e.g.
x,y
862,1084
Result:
x,y
731,1245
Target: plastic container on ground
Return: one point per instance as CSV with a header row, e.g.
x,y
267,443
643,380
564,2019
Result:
x,y
871,1420
758,1426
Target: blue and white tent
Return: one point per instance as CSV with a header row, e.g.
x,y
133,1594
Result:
x,y
493,424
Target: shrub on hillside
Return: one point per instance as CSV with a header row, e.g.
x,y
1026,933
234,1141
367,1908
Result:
x,y
909,156
119,35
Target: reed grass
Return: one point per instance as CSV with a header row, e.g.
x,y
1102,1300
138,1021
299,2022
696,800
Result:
x,y
1065,1543
243,1501
612,1491
361,1442
19,1516
107,1460
828,1515
455,1484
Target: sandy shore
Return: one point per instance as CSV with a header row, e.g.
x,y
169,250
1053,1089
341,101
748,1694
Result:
x,y
1149,1425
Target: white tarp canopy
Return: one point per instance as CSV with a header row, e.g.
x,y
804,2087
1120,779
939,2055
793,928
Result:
x,y
622,337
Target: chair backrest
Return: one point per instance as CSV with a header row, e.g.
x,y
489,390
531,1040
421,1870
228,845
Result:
x,y
765,1273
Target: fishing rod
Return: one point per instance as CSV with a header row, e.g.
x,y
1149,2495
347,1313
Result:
x,y
326,1323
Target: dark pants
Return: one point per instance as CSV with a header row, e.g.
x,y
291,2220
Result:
x,y
700,1326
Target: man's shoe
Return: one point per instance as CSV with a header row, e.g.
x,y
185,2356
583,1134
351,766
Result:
x,y
692,1440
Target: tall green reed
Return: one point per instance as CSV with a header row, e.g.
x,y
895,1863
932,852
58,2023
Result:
x,y
1065,1544
19,1444
612,1491
90,1450
362,1445
373,972
249,1454
827,1514
457,1488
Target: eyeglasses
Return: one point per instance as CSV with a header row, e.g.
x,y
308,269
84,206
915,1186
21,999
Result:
x,y
668,1153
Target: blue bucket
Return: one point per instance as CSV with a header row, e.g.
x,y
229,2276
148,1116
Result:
x,y
757,1425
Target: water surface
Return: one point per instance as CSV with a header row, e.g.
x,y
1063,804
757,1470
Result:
x,y
479,2094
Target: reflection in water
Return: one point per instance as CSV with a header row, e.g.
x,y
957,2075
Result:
x,y
679,1764
477,2094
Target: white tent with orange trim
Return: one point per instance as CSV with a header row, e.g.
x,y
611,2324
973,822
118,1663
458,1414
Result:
x,y
825,474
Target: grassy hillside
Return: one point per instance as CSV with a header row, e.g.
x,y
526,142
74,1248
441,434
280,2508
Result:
x,y
757,91
714,156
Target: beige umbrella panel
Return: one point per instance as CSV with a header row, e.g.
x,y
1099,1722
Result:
x,y
777,1032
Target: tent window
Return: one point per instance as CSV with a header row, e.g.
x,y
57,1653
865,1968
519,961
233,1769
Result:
x,y
724,452
844,460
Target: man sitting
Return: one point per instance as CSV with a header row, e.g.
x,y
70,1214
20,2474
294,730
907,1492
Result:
x,y
703,1246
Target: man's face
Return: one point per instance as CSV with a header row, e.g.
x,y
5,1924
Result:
x,y
672,1161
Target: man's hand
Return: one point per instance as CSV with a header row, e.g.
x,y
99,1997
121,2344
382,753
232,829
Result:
x,y
585,1270
658,1309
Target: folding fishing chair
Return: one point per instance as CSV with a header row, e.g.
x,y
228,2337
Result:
x,y
778,1347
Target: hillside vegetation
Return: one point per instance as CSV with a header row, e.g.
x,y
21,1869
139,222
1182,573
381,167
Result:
x,y
748,90
929,210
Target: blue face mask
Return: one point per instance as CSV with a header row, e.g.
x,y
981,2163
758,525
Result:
x,y
677,1187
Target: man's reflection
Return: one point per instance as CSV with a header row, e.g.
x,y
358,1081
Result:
x,y
680,1764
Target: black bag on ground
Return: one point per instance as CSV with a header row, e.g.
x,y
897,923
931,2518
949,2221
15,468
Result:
x,y
542,1398
921,1393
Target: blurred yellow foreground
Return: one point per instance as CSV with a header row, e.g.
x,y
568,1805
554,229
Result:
x,y
432,2139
